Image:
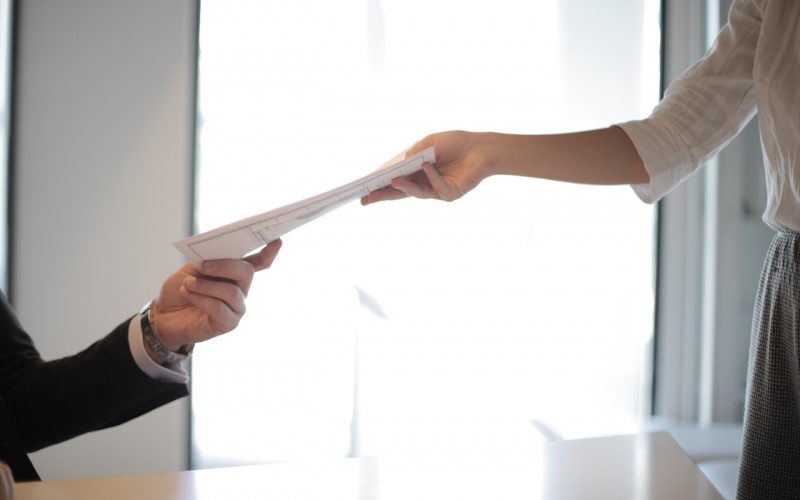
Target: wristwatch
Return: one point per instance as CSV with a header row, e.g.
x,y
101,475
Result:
x,y
149,334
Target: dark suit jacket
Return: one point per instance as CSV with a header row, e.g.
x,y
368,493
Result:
x,y
46,402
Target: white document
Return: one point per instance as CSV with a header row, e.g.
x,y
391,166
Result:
x,y
237,239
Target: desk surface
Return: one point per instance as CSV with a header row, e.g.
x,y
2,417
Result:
x,y
641,466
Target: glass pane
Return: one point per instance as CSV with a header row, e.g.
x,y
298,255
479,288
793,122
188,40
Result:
x,y
416,326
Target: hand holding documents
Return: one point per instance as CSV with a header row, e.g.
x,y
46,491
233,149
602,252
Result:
x,y
237,239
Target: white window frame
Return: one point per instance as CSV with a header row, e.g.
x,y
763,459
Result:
x,y
701,348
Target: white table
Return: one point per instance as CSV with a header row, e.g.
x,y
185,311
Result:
x,y
640,466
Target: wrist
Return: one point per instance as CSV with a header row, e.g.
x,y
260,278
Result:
x,y
152,342
498,151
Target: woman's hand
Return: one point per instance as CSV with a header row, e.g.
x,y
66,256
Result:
x,y
461,164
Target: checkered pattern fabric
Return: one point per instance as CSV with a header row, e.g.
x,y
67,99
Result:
x,y
770,462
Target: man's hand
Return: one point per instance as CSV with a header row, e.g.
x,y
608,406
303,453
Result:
x,y
196,305
6,482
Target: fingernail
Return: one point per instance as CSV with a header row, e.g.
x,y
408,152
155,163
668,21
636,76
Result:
x,y
209,266
190,282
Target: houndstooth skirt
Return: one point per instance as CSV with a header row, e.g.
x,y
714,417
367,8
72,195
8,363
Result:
x,y
770,462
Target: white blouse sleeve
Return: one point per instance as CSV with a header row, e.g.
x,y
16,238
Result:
x,y
703,110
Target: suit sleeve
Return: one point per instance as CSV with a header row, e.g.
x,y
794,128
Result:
x,y
52,401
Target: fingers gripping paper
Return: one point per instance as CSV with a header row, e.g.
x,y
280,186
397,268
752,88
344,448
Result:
x,y
237,239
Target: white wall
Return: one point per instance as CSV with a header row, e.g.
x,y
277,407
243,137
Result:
x,y
103,116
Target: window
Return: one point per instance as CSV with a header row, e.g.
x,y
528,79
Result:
x,y
523,310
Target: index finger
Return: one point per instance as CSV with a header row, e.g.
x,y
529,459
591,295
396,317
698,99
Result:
x,y
236,271
383,194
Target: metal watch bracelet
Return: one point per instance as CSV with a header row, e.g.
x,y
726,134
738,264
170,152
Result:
x,y
150,337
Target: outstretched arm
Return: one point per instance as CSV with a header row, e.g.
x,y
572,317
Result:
x,y
464,159
102,386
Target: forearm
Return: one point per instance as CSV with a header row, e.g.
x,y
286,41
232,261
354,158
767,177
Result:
x,y
465,159
603,156
97,388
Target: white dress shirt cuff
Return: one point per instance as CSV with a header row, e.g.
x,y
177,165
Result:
x,y
167,373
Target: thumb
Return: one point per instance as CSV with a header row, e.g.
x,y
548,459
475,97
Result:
x,y
420,145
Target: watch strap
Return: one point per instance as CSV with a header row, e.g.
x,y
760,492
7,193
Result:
x,y
150,337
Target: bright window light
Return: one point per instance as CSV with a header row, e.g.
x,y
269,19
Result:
x,y
522,312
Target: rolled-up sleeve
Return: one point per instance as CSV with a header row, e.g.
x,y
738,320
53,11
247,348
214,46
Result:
x,y
665,158
702,110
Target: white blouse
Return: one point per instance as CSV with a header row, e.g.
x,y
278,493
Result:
x,y
754,64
